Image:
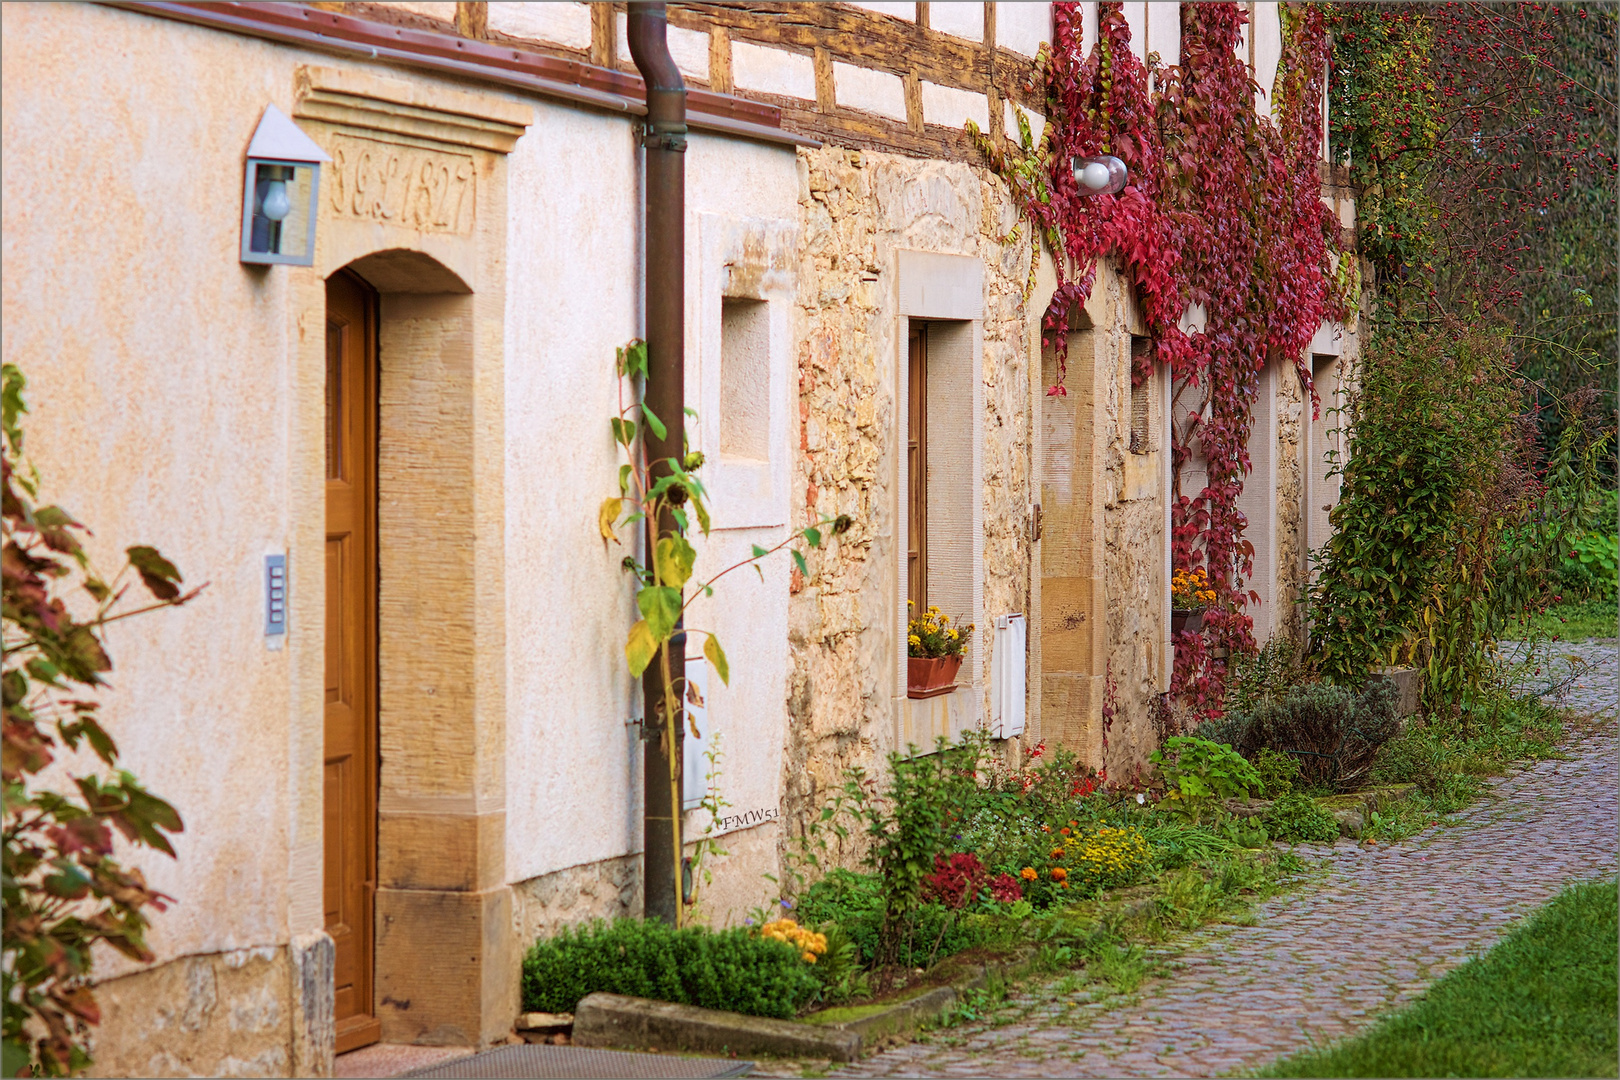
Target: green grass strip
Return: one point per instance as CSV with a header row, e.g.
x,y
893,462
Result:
x,y
1542,1002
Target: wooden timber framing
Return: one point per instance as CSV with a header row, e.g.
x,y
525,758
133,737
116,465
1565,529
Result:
x,y
824,32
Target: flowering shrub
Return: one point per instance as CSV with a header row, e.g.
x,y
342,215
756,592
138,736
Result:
x,y
809,943
932,635
1005,889
956,879
1111,857
1190,590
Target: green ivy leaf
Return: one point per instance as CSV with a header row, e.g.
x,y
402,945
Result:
x,y
812,536
798,559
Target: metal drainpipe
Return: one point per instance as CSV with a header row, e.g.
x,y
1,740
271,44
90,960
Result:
x,y
663,140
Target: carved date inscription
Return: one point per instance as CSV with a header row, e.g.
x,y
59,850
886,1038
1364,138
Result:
x,y
402,185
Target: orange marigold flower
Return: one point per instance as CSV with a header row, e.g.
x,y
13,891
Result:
x,y
1063,831
1059,874
1028,873
1057,853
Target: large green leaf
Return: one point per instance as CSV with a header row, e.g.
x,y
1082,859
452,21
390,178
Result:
x,y
660,605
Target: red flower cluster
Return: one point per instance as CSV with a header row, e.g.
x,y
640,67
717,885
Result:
x,y
1006,889
956,879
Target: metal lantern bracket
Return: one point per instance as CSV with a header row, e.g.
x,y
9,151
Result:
x,y
1103,174
277,153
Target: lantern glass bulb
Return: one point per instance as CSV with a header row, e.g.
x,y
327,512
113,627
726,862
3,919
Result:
x,y
1094,177
276,205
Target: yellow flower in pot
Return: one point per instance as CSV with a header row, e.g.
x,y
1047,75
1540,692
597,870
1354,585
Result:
x,y
1191,594
935,646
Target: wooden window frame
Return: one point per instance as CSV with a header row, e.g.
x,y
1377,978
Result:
x,y
917,466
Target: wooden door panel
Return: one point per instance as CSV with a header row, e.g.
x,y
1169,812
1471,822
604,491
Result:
x,y
350,782
334,621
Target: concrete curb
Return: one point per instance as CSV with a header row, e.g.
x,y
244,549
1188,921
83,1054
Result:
x,y
610,1020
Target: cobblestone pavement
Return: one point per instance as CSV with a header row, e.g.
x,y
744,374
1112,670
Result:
x,y
1319,963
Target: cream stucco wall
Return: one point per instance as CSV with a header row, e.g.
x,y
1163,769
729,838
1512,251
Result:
x,y
161,381
573,760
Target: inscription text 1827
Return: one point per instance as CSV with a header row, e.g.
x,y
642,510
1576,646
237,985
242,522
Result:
x,y
402,185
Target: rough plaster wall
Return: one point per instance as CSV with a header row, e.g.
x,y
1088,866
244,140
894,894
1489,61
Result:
x,y
605,889
575,821
858,209
161,387
571,299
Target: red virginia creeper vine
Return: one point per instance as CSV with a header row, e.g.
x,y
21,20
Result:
x,y
1223,211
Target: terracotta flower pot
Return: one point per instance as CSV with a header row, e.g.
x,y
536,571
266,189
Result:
x,y
930,676
1186,620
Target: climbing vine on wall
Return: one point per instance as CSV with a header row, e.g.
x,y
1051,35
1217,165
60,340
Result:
x,y
1223,212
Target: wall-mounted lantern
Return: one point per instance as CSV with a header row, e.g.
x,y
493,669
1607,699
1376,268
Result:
x,y
278,200
1102,175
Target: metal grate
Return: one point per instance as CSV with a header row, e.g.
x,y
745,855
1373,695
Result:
x,y
541,1062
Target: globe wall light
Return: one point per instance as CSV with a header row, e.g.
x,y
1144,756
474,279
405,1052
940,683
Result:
x,y
278,199
1102,175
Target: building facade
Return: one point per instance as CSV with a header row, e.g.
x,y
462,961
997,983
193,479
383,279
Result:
x,y
439,759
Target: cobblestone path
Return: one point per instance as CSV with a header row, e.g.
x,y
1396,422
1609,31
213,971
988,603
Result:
x,y
1321,963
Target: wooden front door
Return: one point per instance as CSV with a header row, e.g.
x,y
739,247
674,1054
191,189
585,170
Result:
x,y
351,652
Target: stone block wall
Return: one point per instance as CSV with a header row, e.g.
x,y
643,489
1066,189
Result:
x,y
859,209
249,1012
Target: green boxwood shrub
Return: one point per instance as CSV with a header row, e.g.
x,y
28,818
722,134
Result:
x,y
716,969
1300,817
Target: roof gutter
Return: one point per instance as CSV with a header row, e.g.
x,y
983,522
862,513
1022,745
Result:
x,y
480,61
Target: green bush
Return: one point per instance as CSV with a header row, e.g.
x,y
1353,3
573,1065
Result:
x,y
1448,525
1198,772
1299,817
1333,733
1277,770
716,969
1592,568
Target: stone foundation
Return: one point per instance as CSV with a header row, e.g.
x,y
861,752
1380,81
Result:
x,y
609,889
252,1012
